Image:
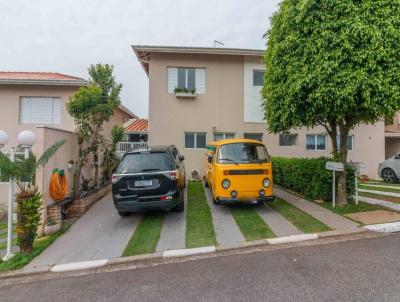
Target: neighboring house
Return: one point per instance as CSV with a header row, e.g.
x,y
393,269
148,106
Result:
x,y
227,103
135,135
36,101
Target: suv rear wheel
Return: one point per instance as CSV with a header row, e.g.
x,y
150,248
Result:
x,y
181,206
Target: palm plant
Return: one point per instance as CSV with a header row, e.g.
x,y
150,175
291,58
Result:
x,y
29,200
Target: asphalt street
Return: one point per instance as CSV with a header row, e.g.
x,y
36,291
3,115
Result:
x,y
358,270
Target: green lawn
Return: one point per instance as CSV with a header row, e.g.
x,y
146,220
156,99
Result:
x,y
381,197
147,233
199,226
380,183
304,222
250,223
20,260
382,189
3,245
352,207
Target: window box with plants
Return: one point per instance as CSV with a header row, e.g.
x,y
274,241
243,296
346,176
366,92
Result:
x,y
185,93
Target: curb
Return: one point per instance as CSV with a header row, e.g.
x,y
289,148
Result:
x,y
185,252
77,266
391,227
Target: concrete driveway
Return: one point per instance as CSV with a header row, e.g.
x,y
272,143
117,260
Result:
x,y
100,233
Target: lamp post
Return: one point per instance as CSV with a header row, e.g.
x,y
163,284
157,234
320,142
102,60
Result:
x,y
25,139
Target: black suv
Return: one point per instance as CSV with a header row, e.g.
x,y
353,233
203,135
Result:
x,y
149,179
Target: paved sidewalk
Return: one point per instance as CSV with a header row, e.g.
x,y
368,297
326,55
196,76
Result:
x,y
384,193
100,233
383,203
173,232
279,225
334,221
226,229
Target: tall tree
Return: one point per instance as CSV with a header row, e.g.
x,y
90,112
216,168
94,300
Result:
x,y
91,107
102,75
332,63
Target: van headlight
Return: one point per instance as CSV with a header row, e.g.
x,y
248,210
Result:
x,y
226,183
266,182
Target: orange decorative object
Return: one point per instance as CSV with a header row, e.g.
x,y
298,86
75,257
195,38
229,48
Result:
x,y
58,185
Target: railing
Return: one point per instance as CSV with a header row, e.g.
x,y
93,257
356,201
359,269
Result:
x,y
125,146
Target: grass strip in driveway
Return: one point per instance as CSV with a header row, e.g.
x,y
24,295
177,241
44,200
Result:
x,y
147,233
250,223
199,226
352,207
20,260
381,197
303,221
382,189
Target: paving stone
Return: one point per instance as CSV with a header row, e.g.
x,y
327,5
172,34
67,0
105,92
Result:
x,y
334,221
226,229
278,224
374,217
173,232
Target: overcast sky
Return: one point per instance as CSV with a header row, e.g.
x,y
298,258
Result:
x,y
66,36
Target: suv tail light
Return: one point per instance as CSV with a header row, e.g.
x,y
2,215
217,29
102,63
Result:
x,y
174,175
115,178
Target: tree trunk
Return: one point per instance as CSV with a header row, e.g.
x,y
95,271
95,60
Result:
x,y
342,183
96,168
76,180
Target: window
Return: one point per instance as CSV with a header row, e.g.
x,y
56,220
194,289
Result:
x,y
40,110
258,77
349,142
287,140
220,136
245,153
255,136
186,78
146,161
316,142
195,140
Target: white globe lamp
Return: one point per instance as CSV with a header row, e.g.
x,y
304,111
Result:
x,y
26,138
3,138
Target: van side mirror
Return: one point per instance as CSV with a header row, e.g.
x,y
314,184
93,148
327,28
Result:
x,y
210,158
181,158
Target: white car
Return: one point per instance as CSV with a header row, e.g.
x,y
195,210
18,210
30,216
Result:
x,y
389,169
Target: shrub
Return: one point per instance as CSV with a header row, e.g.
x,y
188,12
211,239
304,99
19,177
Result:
x,y
307,177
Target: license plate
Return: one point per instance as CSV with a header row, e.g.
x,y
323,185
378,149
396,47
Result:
x,y
143,183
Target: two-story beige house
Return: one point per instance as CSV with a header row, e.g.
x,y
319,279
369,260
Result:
x,y
36,101
227,103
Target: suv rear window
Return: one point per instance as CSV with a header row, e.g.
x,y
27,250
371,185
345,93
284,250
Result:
x,y
145,162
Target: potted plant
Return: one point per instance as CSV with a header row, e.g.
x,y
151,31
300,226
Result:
x,y
51,226
185,93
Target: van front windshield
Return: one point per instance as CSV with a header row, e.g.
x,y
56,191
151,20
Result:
x,y
242,153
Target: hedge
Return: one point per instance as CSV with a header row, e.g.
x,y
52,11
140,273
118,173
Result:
x,y
308,177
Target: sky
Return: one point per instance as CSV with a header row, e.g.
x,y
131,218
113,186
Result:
x,y
67,36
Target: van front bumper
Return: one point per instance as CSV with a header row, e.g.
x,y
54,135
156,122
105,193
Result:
x,y
263,199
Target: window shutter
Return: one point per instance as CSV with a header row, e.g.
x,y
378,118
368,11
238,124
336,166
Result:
x,y
56,111
25,111
200,80
172,81
47,111
36,110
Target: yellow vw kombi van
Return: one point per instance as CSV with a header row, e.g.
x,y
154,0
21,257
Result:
x,y
238,170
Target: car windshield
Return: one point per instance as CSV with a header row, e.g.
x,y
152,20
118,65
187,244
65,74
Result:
x,y
144,162
242,153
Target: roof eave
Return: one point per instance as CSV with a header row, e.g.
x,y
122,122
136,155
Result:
x,y
44,82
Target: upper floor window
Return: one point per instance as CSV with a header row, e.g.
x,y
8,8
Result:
x,y
186,78
316,142
255,136
287,140
349,142
195,140
220,136
258,77
40,110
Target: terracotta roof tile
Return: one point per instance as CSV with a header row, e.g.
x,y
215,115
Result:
x,y
139,125
14,75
